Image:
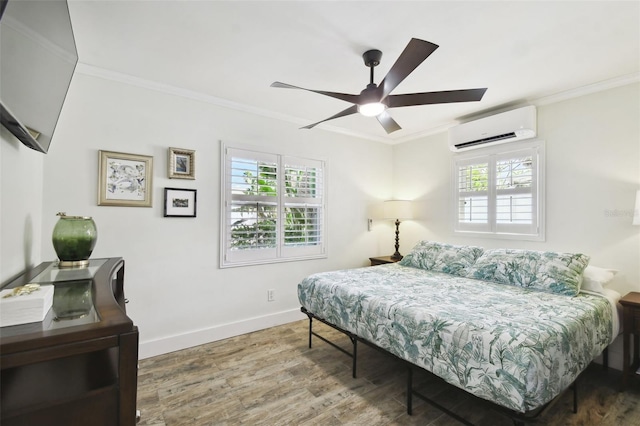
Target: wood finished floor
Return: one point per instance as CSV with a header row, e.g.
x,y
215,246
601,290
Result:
x,y
271,377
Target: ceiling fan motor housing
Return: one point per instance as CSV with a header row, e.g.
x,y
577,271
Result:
x,y
370,94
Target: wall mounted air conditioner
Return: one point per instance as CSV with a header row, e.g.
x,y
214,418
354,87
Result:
x,y
505,127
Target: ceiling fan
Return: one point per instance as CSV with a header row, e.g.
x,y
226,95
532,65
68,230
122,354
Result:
x,y
374,100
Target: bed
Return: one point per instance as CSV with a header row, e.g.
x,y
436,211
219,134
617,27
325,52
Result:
x,y
508,326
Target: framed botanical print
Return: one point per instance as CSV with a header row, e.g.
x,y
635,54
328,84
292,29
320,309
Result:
x,y
180,202
182,163
125,179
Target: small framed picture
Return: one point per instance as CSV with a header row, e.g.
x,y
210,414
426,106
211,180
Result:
x,y
179,202
182,163
124,179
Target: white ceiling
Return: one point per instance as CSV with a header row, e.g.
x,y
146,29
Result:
x,y
229,52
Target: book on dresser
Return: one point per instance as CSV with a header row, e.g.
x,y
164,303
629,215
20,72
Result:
x,y
25,304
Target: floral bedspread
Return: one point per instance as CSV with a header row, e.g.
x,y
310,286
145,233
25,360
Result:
x,y
516,347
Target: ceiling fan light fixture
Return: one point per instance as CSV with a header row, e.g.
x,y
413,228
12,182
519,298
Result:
x,y
374,100
372,109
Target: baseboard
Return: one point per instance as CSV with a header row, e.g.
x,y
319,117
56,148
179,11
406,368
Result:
x,y
148,349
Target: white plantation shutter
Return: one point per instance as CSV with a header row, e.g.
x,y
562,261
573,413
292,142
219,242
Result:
x,y
500,192
516,201
303,200
273,208
473,195
253,201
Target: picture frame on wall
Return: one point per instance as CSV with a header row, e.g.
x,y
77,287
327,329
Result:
x,y
125,180
179,202
182,163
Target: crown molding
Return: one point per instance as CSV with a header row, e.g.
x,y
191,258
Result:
x,y
588,89
94,71
545,100
106,74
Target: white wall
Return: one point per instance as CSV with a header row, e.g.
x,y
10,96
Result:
x,y
178,295
20,206
592,175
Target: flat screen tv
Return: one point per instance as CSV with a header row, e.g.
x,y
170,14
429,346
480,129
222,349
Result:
x,y
37,58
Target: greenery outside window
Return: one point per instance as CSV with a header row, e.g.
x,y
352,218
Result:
x,y
272,208
499,192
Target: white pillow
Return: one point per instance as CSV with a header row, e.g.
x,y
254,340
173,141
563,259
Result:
x,y
595,278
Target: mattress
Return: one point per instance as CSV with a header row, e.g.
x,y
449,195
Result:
x,y
516,347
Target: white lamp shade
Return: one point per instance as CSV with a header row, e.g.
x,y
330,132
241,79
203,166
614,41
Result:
x,y
397,209
636,212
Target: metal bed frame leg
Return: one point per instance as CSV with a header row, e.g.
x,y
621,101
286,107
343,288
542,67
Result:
x,y
355,358
409,390
352,337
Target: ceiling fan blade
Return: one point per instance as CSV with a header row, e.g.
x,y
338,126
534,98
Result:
x,y
342,96
413,55
446,96
351,110
387,122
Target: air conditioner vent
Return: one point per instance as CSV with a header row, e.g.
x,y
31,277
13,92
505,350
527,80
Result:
x,y
505,127
486,140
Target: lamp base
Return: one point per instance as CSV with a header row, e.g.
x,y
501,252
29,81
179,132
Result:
x,y
396,256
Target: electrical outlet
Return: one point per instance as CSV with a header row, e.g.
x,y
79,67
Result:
x,y
271,295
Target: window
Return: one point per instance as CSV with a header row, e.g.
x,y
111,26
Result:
x,y
499,192
272,208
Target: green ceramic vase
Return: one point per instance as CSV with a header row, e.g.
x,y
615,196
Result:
x,y
74,238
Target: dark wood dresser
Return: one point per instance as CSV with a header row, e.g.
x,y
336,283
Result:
x,y
75,369
630,327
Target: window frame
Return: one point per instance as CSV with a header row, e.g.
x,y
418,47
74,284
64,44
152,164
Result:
x,y
282,251
491,155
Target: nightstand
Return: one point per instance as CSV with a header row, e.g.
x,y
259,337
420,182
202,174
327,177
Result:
x,y
381,260
631,325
